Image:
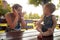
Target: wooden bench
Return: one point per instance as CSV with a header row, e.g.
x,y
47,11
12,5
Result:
x,y
29,23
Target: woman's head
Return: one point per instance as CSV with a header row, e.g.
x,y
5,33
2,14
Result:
x,y
17,7
49,8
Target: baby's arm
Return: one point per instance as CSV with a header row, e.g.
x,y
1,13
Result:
x,y
54,22
51,30
39,26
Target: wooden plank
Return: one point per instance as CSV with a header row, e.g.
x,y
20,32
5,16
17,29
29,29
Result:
x,y
3,24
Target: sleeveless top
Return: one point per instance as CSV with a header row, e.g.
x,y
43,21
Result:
x,y
18,23
48,23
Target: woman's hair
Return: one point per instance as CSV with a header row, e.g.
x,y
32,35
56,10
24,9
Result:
x,y
51,7
16,6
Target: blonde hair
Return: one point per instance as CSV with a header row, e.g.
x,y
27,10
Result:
x,y
51,7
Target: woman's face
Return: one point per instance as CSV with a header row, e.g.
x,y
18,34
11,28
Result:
x,y
19,10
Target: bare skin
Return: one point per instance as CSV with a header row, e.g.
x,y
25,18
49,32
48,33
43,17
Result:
x,y
50,31
11,23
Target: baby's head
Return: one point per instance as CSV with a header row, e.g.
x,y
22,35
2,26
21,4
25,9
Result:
x,y
49,8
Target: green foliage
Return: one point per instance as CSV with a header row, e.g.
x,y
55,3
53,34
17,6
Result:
x,y
57,17
36,16
31,16
3,11
0,9
58,5
26,16
37,2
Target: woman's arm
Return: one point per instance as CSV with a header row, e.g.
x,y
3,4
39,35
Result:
x,y
9,21
23,23
51,30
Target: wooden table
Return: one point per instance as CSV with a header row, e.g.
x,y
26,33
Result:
x,y
17,35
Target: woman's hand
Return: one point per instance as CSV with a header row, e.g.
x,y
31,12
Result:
x,y
20,16
15,12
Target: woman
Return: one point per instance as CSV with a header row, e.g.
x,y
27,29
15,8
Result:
x,y
15,18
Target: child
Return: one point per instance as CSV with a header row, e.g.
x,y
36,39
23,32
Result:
x,y
46,30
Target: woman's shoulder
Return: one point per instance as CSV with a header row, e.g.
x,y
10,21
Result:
x,y
7,14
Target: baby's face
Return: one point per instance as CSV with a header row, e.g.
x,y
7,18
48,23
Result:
x,y
46,11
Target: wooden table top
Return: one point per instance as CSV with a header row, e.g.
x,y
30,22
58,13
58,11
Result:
x,y
17,35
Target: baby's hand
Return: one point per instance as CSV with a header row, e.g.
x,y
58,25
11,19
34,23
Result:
x,y
50,30
40,35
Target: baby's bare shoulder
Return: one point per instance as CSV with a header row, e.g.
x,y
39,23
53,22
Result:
x,y
53,17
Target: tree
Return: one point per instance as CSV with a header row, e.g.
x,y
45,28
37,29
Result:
x,y
37,2
30,15
26,16
3,10
36,16
57,17
58,5
0,2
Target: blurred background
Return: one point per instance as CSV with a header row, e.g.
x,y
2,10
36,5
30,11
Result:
x,y
32,11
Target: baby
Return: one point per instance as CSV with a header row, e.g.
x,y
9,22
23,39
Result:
x,y
46,30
